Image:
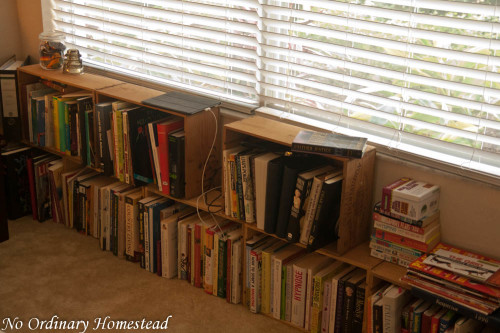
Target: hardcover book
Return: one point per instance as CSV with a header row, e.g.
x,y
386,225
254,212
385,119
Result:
x,y
329,144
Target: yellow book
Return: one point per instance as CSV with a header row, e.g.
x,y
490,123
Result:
x,y
266,280
318,289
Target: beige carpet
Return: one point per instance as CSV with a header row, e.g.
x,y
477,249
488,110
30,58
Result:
x,y
47,269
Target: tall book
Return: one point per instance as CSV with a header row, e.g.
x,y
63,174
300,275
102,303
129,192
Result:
x,y
299,207
292,167
312,204
261,171
324,225
176,152
393,301
164,128
103,111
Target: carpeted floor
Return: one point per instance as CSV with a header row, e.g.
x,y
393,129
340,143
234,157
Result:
x,y
47,269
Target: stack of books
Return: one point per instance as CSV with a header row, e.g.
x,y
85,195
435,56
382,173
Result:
x,y
406,221
458,280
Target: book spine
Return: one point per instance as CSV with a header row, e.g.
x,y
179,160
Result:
x,y
129,207
311,210
286,292
390,237
382,245
236,278
239,188
176,168
348,307
325,316
229,245
247,186
67,129
359,307
339,305
324,150
278,283
398,224
315,321
253,282
377,318
297,212
126,148
215,262
222,268
233,183
226,178
391,258
62,126
146,239
403,232
209,243
266,283
197,256
163,158
381,252
298,297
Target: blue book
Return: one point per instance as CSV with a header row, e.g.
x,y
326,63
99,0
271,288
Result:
x,y
40,121
155,231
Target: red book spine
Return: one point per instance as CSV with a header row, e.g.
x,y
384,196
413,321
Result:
x,y
31,177
387,193
163,130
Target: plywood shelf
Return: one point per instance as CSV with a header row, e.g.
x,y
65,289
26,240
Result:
x,y
390,272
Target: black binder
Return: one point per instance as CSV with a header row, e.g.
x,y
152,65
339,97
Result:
x,y
9,99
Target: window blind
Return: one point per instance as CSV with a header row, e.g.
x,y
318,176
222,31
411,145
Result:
x,y
417,75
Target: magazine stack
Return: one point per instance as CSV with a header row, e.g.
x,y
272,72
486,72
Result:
x,y
460,281
406,221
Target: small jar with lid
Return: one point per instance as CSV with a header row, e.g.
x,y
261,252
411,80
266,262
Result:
x,y
51,49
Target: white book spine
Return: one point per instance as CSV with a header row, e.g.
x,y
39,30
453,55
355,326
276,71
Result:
x,y
246,179
298,296
333,305
311,210
181,248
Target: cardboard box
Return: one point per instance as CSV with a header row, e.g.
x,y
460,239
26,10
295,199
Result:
x,y
415,199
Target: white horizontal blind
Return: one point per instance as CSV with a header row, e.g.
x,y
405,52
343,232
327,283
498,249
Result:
x,y
205,45
417,75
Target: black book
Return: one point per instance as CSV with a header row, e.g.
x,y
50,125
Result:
x,y
293,166
359,308
378,317
138,120
181,102
176,164
104,111
17,187
73,130
84,104
274,182
350,290
301,193
323,229
44,208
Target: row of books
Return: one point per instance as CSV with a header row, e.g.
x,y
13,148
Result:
x,y
309,290
167,238
397,236
464,281
31,179
392,309
296,197
132,143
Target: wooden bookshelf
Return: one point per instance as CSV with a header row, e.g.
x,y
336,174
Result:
x,y
357,185
391,273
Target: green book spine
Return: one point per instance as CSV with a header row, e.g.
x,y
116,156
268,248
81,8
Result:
x,y
61,109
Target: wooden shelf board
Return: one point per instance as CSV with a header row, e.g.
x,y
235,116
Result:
x,y
75,159
390,272
135,94
83,81
265,129
358,256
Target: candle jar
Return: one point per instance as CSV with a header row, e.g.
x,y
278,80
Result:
x,y
51,50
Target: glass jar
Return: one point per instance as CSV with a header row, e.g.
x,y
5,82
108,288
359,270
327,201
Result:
x,y
51,49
